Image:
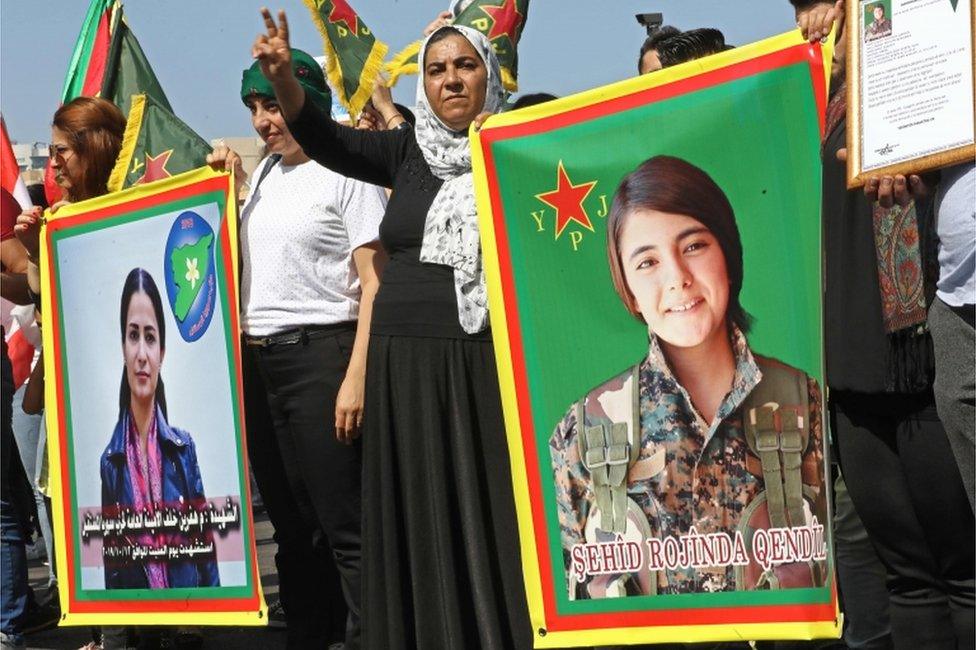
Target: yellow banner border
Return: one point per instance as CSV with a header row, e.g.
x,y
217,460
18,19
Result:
x,y
506,373
53,408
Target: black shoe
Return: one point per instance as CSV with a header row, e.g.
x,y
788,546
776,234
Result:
x,y
276,616
42,617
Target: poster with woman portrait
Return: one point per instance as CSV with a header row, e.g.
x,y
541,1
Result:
x,y
143,398
652,253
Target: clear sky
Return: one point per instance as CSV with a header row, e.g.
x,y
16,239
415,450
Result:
x,y
198,48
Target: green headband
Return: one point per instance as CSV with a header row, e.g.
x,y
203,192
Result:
x,y
306,70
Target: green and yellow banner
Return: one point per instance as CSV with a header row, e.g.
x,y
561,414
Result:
x,y
646,514
353,55
156,145
164,255
502,21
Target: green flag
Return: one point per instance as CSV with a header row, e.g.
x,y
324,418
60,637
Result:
x,y
353,56
128,71
501,21
87,66
157,144
107,62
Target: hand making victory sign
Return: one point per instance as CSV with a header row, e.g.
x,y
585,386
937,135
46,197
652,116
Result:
x,y
273,51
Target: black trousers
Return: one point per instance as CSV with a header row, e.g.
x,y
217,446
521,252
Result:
x,y
310,482
906,487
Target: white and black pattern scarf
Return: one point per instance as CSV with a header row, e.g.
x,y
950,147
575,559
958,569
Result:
x,y
451,230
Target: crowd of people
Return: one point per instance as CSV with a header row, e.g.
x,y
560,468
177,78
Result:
x,y
374,421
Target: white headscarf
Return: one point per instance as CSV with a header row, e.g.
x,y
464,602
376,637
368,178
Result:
x,y
451,230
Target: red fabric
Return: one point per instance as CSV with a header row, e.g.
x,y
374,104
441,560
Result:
x,y
52,191
9,209
95,74
9,170
21,354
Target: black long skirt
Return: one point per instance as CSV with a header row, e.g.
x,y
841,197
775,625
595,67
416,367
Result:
x,y
441,565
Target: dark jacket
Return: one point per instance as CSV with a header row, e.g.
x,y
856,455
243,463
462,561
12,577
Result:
x,y
182,487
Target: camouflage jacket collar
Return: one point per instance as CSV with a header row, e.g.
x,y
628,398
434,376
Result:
x,y
747,376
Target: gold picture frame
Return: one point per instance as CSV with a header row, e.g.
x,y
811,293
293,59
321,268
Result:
x,y
859,32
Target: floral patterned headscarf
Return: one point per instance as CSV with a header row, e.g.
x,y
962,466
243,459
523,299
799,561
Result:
x,y
451,230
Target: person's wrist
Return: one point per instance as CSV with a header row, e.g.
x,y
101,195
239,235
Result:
x,y
287,84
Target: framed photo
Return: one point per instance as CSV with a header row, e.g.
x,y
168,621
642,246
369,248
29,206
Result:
x,y
622,227
910,100
149,477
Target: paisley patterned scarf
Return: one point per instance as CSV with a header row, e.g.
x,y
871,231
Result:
x,y
146,476
901,277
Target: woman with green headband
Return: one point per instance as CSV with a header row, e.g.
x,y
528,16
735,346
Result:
x,y
310,268
441,562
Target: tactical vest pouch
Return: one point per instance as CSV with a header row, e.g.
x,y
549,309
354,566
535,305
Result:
x,y
777,431
608,449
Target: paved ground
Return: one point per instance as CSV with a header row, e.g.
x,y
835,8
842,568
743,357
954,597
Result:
x,y
224,638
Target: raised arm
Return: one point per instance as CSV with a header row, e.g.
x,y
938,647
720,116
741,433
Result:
x,y
372,157
273,51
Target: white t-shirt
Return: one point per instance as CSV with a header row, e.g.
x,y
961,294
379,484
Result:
x,y
299,227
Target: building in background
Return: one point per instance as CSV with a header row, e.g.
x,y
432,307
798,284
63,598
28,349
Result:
x,y
31,159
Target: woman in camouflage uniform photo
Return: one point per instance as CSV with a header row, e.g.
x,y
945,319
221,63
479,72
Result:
x,y
702,441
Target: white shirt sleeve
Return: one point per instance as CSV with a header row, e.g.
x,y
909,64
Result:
x,y
362,208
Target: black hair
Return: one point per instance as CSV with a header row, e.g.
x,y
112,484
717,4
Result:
x,y
440,35
801,5
654,40
532,99
690,45
673,185
140,280
406,114
37,196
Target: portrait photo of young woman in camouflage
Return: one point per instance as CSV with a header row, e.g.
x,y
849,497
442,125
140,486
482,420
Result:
x,y
701,467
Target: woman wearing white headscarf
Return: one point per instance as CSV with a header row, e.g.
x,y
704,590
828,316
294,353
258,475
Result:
x,y
441,564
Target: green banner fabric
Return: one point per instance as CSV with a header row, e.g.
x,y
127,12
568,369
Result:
x,y
128,71
501,23
157,145
652,251
353,55
107,62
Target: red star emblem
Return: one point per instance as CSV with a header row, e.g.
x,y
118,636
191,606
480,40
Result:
x,y
506,20
342,12
567,199
155,168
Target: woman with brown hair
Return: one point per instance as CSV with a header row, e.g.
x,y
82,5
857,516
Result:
x,y
86,137
702,438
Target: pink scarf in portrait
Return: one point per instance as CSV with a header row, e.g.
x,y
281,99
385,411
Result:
x,y
146,475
